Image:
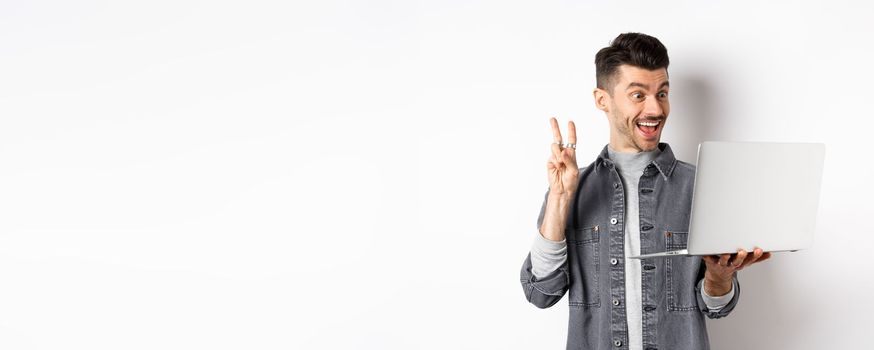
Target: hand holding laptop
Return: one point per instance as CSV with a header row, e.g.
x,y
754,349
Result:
x,y
721,269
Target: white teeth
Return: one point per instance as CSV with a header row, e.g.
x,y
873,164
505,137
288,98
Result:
x,y
648,123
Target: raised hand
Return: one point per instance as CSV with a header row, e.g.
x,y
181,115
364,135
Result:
x,y
561,168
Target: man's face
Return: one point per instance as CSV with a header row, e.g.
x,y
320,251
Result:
x,y
637,109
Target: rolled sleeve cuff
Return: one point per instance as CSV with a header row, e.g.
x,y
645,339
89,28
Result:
x,y
547,256
719,311
716,303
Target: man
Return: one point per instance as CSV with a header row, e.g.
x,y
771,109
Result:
x,y
635,198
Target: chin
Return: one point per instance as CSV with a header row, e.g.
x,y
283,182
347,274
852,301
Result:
x,y
647,146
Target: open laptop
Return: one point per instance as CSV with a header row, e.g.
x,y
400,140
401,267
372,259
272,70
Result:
x,y
753,194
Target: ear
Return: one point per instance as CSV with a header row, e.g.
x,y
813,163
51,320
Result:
x,y
602,99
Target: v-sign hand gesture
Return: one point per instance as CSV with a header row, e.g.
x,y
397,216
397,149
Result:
x,y
562,167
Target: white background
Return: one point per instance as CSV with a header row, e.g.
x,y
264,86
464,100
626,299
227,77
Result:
x,y
333,175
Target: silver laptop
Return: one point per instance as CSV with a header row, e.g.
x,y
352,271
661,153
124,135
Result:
x,y
753,194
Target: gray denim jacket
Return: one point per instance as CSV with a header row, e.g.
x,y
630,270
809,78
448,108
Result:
x,y
673,309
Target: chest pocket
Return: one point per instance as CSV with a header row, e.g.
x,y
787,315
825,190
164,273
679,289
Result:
x,y
681,274
583,266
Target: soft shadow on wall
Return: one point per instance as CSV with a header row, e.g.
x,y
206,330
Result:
x,y
694,115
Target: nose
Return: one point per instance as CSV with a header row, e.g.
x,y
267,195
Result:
x,y
652,107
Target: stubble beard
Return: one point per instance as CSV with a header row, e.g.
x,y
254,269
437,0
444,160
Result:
x,y
631,140
629,131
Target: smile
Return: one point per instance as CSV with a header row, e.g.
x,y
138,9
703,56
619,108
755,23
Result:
x,y
648,128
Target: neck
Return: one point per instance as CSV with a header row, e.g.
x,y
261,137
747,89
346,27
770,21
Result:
x,y
632,162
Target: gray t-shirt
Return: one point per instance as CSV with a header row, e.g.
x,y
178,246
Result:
x,y
631,166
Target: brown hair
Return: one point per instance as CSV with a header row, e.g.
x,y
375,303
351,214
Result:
x,y
636,49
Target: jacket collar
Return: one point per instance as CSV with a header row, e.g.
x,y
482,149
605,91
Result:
x,y
664,162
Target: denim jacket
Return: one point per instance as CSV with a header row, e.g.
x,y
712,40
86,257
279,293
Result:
x,y
593,275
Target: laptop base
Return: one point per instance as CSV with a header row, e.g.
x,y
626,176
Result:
x,y
683,252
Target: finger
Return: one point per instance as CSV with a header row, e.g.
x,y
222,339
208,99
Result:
x,y
765,256
568,156
758,251
553,163
556,152
757,254
571,132
723,259
711,259
751,258
556,133
571,152
739,258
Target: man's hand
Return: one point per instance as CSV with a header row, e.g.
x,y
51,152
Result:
x,y
563,174
721,269
562,167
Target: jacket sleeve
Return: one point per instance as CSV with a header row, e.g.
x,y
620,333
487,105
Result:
x,y
544,292
725,310
548,290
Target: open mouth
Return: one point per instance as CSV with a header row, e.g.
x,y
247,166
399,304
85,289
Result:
x,y
649,128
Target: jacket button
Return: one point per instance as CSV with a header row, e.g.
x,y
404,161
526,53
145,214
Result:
x,y
615,301
615,185
613,221
614,261
617,343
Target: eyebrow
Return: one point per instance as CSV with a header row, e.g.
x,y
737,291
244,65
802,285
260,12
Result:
x,y
644,86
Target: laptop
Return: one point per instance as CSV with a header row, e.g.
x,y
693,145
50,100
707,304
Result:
x,y
753,194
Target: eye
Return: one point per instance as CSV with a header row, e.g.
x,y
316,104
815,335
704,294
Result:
x,y
663,94
636,95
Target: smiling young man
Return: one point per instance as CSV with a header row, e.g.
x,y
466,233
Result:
x,y
635,198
